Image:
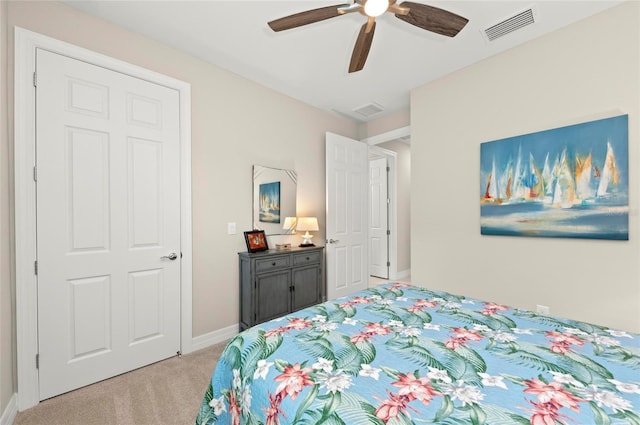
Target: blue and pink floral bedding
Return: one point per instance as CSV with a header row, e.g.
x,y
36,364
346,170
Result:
x,y
400,354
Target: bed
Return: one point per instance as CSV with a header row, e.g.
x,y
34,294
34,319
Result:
x,y
402,354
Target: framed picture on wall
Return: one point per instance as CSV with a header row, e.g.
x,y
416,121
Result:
x,y
256,240
270,202
566,182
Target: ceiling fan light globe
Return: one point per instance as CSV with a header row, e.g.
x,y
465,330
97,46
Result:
x,y
375,8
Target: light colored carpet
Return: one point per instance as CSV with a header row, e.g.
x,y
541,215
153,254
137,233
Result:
x,y
375,281
164,393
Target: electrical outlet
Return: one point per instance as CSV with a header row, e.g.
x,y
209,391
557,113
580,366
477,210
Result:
x,y
542,309
231,228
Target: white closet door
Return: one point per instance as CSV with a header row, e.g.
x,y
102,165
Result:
x,y
108,210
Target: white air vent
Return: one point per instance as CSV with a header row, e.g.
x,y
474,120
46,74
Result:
x,y
369,109
509,25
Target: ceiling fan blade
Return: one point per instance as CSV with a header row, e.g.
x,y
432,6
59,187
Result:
x,y
307,17
363,44
433,19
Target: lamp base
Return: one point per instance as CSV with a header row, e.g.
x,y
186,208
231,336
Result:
x,y
304,245
306,240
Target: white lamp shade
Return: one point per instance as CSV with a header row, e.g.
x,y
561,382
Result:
x,y
307,224
289,224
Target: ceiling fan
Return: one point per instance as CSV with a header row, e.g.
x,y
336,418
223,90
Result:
x,y
422,16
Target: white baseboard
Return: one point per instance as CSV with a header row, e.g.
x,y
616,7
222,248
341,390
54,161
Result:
x,y
402,274
213,338
10,412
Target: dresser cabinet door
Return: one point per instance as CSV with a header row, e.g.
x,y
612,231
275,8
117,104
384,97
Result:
x,y
272,295
306,287
276,283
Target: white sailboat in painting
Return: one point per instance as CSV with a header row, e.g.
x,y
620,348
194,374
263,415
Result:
x,y
550,176
571,181
506,181
492,190
584,186
564,193
547,177
519,191
535,183
609,174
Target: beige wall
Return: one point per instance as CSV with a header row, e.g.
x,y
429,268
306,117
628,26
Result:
x,y
586,71
235,123
7,348
385,123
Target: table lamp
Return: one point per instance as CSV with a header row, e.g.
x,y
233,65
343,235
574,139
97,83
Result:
x,y
307,224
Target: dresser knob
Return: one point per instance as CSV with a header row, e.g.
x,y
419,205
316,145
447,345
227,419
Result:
x,y
307,258
273,264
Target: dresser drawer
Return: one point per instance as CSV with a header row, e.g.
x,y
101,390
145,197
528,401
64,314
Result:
x,y
272,263
306,258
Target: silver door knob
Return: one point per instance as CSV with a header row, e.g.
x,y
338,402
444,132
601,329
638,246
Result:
x,y
171,256
333,241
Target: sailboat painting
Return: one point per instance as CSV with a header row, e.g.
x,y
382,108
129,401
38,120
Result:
x,y
568,182
269,202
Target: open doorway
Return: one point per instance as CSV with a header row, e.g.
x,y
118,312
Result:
x,y
390,236
379,206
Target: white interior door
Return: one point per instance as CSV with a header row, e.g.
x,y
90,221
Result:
x,y
347,168
108,210
378,218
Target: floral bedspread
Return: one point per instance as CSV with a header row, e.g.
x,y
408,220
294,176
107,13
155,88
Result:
x,y
400,354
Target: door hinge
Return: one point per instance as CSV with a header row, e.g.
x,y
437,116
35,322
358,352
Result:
x,y
388,201
37,361
35,173
388,232
388,169
388,263
35,79
35,267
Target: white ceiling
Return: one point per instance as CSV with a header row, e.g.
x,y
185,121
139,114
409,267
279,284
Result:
x,y
310,63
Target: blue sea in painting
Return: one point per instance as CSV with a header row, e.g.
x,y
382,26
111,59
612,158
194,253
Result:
x,y
566,182
605,220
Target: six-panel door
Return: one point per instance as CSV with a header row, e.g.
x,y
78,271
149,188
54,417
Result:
x,y
108,210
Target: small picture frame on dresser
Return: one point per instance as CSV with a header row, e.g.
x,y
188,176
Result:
x,y
256,240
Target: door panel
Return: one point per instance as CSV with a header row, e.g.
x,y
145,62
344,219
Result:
x,y
346,250
108,209
145,192
90,333
146,306
88,171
